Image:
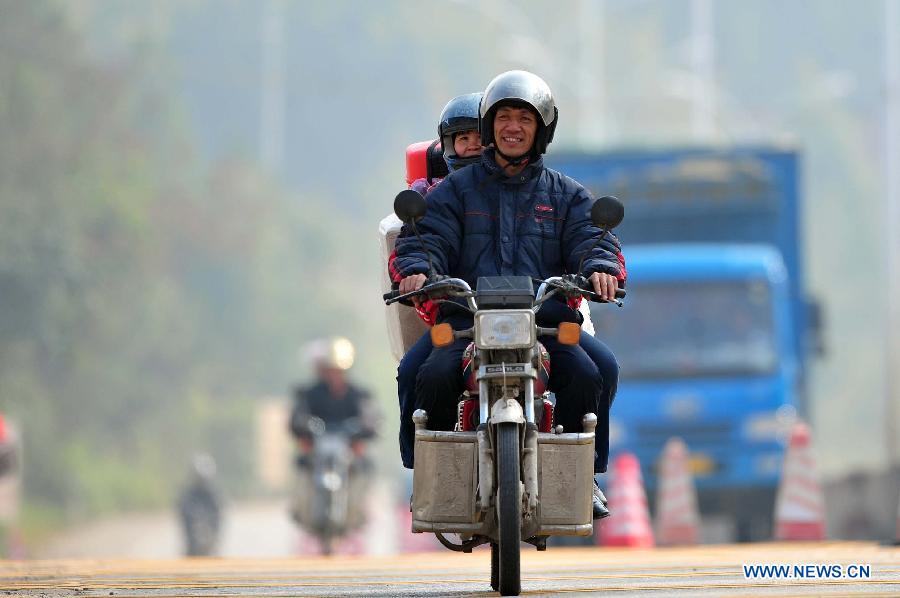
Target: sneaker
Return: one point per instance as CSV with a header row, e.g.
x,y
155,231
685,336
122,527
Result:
x,y
598,503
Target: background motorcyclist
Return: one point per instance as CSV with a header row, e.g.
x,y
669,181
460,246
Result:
x,y
509,215
330,404
331,398
10,490
9,449
200,508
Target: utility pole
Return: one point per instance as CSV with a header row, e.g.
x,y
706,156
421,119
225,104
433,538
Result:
x,y
591,73
702,67
526,42
271,116
892,221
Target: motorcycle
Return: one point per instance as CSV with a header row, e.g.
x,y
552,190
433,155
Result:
x,y
334,470
505,473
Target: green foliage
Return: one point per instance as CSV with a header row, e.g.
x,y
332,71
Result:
x,y
145,299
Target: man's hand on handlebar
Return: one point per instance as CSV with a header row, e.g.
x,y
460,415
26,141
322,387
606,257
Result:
x,y
412,283
604,285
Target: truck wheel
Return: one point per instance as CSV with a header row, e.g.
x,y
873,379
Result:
x,y
754,527
509,509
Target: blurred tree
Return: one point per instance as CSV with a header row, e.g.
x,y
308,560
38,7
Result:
x,y
144,301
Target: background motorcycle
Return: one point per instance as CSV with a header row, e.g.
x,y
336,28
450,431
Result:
x,y
328,476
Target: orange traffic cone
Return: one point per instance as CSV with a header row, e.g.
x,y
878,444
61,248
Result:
x,y
629,524
800,505
677,515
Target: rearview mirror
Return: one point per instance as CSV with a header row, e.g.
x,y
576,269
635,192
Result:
x,y
607,212
410,206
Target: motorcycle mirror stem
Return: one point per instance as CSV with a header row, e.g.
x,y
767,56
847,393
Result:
x,y
410,207
606,213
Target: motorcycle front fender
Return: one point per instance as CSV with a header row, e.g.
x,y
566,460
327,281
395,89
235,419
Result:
x,y
507,411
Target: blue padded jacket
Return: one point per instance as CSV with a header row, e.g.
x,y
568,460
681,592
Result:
x,y
481,222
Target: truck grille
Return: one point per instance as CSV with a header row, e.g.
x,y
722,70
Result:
x,y
695,435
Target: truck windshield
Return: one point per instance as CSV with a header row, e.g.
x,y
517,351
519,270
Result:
x,y
670,330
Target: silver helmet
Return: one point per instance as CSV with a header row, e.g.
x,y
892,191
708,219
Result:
x,y
519,88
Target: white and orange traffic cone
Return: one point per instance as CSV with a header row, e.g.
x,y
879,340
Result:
x,y
800,504
677,514
629,524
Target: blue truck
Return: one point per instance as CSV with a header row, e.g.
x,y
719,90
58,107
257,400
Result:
x,y
714,339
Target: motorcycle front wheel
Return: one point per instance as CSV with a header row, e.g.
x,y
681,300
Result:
x,y
495,566
509,510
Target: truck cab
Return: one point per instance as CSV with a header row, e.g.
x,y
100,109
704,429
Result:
x,y
704,342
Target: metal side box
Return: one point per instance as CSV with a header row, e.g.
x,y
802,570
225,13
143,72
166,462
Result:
x,y
444,479
566,474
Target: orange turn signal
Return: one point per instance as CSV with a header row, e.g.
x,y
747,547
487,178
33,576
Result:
x,y
569,333
442,335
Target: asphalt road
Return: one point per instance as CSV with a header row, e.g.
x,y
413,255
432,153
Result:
x,y
700,571
251,529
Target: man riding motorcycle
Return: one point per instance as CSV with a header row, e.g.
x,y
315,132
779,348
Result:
x,y
460,141
509,215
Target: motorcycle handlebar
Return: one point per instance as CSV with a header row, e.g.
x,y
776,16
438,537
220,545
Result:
x,y
457,284
395,295
620,294
592,296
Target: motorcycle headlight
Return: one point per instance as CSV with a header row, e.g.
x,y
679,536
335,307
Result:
x,y
504,329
